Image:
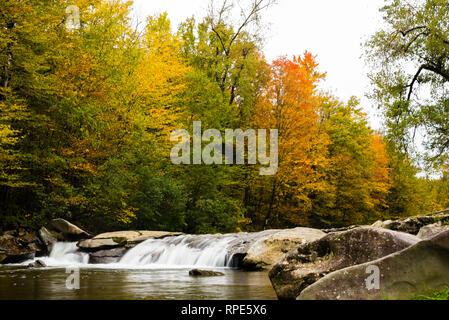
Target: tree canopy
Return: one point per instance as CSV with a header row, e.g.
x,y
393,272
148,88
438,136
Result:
x,y
87,108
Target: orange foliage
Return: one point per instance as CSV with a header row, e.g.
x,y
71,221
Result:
x,y
291,104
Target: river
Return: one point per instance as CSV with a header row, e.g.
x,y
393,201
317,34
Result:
x,y
155,269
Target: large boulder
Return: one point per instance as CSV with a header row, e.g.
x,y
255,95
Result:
x,y
17,246
118,239
136,237
47,238
17,256
308,263
238,248
67,231
91,245
107,256
414,224
431,230
264,252
414,271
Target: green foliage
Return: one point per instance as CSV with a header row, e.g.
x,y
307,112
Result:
x,y
437,295
409,195
357,175
215,215
86,114
160,203
409,58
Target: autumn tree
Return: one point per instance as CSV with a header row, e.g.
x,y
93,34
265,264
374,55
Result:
x,y
333,169
290,104
227,71
409,194
87,107
409,59
76,111
357,174
226,55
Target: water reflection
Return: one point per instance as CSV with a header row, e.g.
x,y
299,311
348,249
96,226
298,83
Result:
x,y
99,284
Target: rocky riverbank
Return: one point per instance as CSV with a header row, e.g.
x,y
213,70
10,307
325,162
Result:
x,y
20,245
411,254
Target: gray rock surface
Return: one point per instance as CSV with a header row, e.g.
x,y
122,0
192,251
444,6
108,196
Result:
x,y
107,256
67,230
118,239
101,244
412,225
417,270
238,248
47,238
264,252
308,263
432,230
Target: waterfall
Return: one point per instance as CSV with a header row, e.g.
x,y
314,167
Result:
x,y
65,253
186,251
182,251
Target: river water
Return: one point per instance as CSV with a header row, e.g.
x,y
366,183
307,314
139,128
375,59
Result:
x,y
155,269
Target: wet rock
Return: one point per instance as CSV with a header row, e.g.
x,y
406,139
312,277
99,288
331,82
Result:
x,y
17,246
414,271
239,247
407,225
37,264
11,258
47,238
262,247
107,256
28,237
339,229
91,245
431,230
377,224
118,239
308,263
264,252
133,238
414,224
205,273
69,231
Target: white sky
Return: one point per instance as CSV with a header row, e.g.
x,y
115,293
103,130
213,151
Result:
x,y
333,30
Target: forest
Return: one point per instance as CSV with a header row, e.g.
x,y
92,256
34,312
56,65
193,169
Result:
x,y
87,108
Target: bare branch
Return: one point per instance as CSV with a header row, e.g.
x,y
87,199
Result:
x,y
405,33
256,7
414,39
415,78
221,40
438,70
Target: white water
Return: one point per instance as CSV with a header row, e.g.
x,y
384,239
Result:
x,y
65,254
182,251
169,253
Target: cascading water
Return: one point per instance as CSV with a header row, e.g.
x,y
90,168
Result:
x,y
65,253
182,251
187,251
